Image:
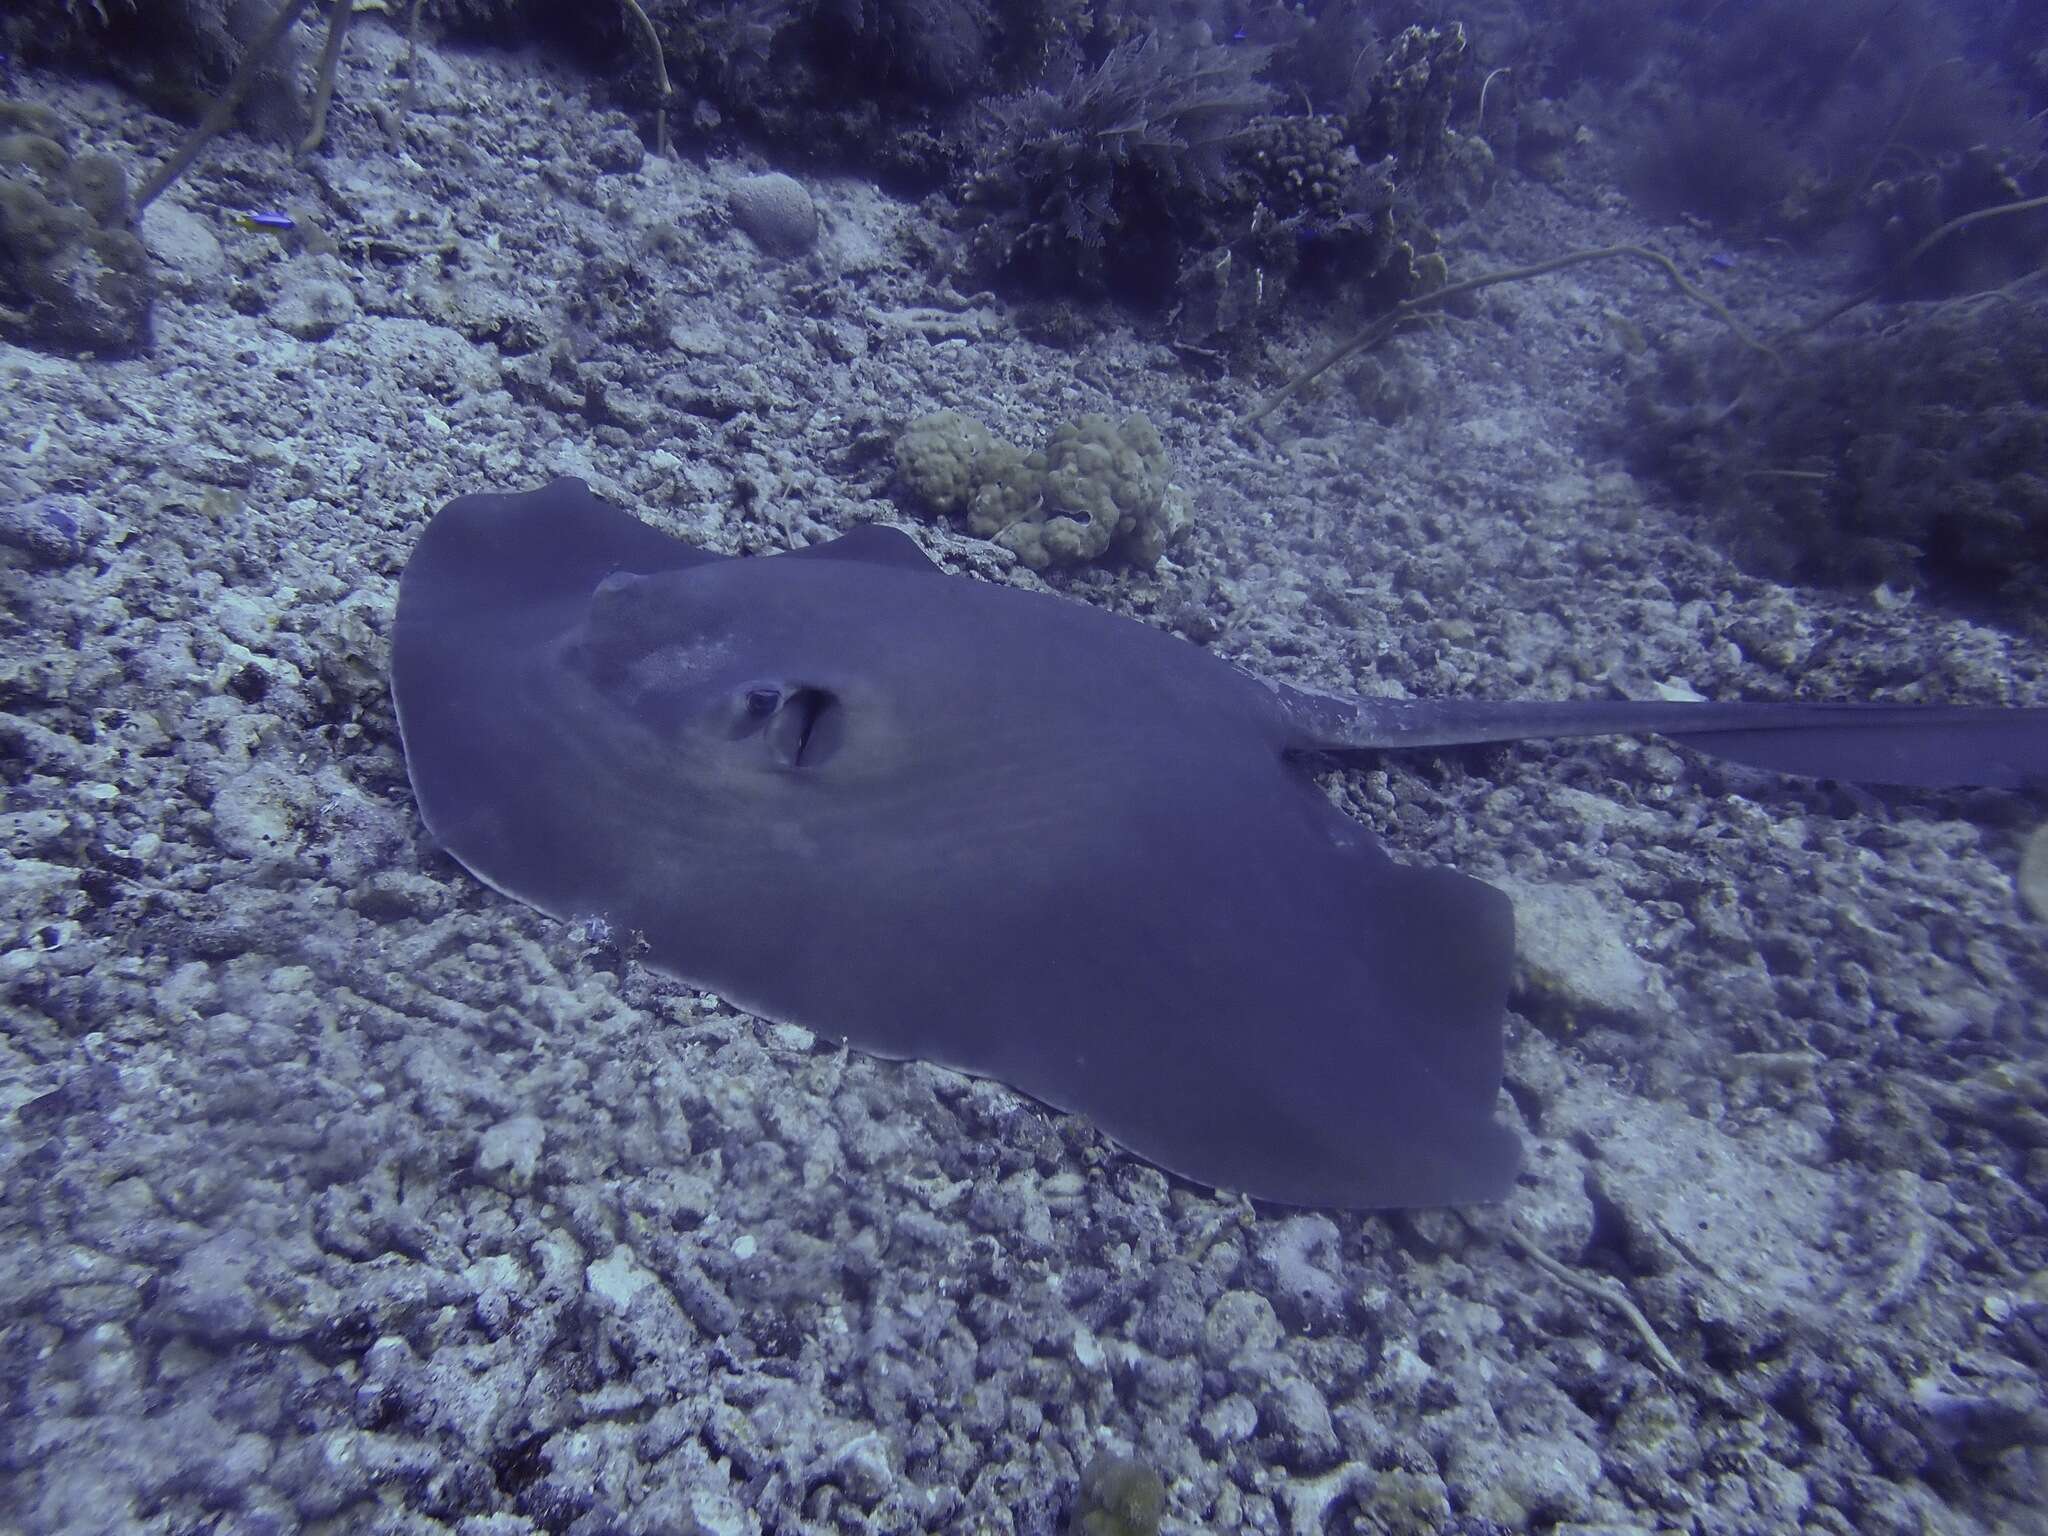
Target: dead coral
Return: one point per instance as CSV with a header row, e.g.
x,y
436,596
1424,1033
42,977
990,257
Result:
x,y
72,277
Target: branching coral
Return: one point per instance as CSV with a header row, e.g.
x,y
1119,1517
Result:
x,y
1780,115
1905,454
1099,181
1412,308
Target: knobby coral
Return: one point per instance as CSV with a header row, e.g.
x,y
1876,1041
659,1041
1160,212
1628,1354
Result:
x,y
1098,486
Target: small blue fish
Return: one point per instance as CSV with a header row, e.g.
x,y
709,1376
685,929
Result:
x,y
1721,261
268,219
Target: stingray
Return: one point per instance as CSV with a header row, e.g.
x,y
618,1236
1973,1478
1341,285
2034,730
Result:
x,y
1015,835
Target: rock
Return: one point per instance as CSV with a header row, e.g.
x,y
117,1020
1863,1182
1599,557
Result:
x,y
313,305
618,1278
1518,1480
509,1151
713,1513
1294,1413
1296,1263
45,528
777,213
1227,1422
861,1467
2033,878
1240,1323
210,1295
1171,1322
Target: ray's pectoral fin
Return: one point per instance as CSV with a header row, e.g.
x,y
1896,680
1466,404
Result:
x,y
496,558
1375,1081
875,543
1445,946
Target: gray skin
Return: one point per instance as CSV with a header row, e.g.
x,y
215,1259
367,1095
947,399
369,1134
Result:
x,y
1013,834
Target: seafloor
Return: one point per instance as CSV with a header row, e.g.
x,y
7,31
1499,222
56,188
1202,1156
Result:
x,y
341,1194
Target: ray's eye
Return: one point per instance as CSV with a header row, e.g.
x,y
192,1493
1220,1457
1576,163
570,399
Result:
x,y
801,726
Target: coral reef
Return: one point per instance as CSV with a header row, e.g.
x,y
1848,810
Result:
x,y
1309,210
1778,117
1098,486
1905,455
1906,209
72,276
1166,176
878,85
1105,181
1411,98
177,55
